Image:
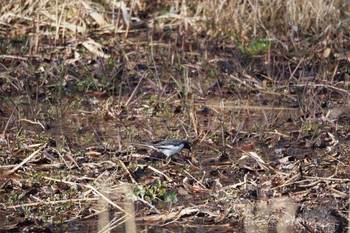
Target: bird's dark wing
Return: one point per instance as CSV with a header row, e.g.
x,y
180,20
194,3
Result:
x,y
174,142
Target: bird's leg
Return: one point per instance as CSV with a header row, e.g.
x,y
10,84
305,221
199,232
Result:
x,y
168,160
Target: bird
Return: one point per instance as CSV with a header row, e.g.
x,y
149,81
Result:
x,y
168,147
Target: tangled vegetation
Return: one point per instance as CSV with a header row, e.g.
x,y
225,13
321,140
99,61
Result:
x,y
260,88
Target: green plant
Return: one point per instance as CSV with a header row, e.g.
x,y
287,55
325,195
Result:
x,y
153,192
170,196
254,47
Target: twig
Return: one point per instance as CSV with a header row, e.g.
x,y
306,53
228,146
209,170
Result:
x,y
33,122
8,122
134,92
127,171
13,57
200,183
106,198
159,172
52,202
25,161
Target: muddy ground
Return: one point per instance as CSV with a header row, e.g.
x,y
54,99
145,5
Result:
x,y
269,129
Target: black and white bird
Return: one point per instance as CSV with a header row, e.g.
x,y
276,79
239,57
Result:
x,y
168,147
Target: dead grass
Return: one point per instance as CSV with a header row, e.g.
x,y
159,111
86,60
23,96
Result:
x,y
238,21
220,73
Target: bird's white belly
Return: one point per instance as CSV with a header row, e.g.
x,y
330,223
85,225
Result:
x,y
170,150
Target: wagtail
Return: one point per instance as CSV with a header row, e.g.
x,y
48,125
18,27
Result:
x,y
168,147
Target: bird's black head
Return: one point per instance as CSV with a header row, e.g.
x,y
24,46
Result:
x,y
187,145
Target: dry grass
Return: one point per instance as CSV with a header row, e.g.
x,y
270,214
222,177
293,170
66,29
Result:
x,y
276,21
159,62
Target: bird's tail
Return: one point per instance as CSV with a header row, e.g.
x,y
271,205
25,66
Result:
x,y
142,144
